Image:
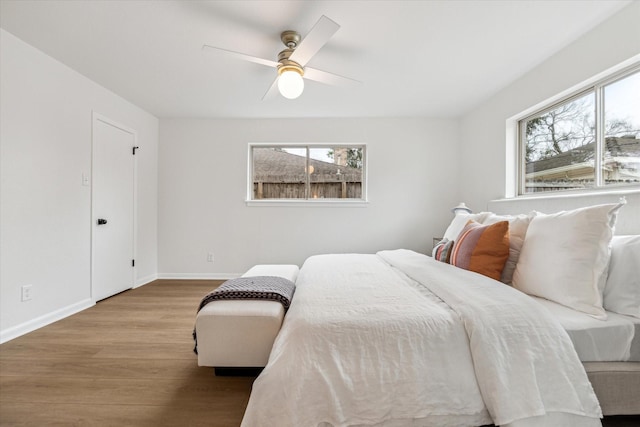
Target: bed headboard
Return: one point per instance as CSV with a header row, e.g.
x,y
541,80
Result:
x,y
628,217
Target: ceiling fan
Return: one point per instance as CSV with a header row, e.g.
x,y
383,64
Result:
x,y
292,61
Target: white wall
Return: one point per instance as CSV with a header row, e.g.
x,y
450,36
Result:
x,y
45,222
484,153
412,173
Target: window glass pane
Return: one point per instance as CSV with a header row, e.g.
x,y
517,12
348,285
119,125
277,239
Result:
x,y
336,172
559,147
333,172
279,173
621,158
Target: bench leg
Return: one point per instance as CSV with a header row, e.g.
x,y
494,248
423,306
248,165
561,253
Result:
x,y
236,371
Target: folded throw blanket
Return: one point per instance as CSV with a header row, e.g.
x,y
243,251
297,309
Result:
x,y
272,288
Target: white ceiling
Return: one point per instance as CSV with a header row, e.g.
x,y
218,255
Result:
x,y
415,58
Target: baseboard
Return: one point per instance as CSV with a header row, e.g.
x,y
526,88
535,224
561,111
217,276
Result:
x,y
144,280
199,276
31,325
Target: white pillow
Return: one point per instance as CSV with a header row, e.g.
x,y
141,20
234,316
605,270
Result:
x,y
518,225
622,290
565,257
460,220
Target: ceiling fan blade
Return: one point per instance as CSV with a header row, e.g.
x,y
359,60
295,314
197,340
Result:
x,y
317,37
212,49
329,78
272,91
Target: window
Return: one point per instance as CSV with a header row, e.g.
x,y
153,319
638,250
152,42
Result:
x,y
307,172
589,140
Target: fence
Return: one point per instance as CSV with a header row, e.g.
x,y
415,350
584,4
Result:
x,y
318,190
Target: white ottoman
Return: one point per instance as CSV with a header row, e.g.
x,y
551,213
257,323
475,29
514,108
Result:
x,y
240,333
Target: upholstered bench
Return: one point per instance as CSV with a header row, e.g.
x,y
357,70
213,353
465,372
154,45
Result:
x,y
240,333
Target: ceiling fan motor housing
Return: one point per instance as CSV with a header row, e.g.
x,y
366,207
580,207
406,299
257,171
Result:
x,y
285,64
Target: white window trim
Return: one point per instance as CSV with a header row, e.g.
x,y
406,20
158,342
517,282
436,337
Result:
x,y
332,203
363,202
514,168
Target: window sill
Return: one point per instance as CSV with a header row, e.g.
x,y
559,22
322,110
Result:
x,y
336,203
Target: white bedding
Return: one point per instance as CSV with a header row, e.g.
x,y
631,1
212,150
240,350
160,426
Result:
x,y
367,344
616,339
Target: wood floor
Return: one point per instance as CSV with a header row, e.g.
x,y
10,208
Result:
x,y
128,361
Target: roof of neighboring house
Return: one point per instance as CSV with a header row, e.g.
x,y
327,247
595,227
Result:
x,y
271,165
626,146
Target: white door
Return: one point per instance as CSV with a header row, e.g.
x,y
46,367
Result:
x,y
112,208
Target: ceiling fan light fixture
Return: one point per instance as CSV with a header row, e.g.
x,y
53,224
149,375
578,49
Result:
x,y
290,82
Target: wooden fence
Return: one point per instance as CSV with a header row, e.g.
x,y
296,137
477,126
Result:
x,y
318,190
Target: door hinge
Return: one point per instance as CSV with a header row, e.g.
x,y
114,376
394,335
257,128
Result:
x,y
134,150
133,263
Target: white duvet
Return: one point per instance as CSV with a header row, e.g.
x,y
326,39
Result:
x,y
366,342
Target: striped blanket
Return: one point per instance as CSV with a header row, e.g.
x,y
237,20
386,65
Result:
x,y
270,288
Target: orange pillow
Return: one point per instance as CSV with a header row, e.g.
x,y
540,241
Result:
x,y
482,248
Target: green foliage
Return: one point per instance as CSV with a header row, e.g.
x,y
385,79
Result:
x,y
354,157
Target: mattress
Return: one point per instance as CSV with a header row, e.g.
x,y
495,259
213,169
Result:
x,y
616,339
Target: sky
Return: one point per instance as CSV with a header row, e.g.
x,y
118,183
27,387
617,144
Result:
x,y
622,99
314,153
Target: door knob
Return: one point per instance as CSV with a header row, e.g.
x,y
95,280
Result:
x,y
101,221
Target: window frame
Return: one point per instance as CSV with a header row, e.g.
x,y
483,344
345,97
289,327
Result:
x,y
597,88
307,201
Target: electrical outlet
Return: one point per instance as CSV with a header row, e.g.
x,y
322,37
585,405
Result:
x,y
210,257
27,293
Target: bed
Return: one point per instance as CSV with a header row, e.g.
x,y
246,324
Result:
x,y
400,338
